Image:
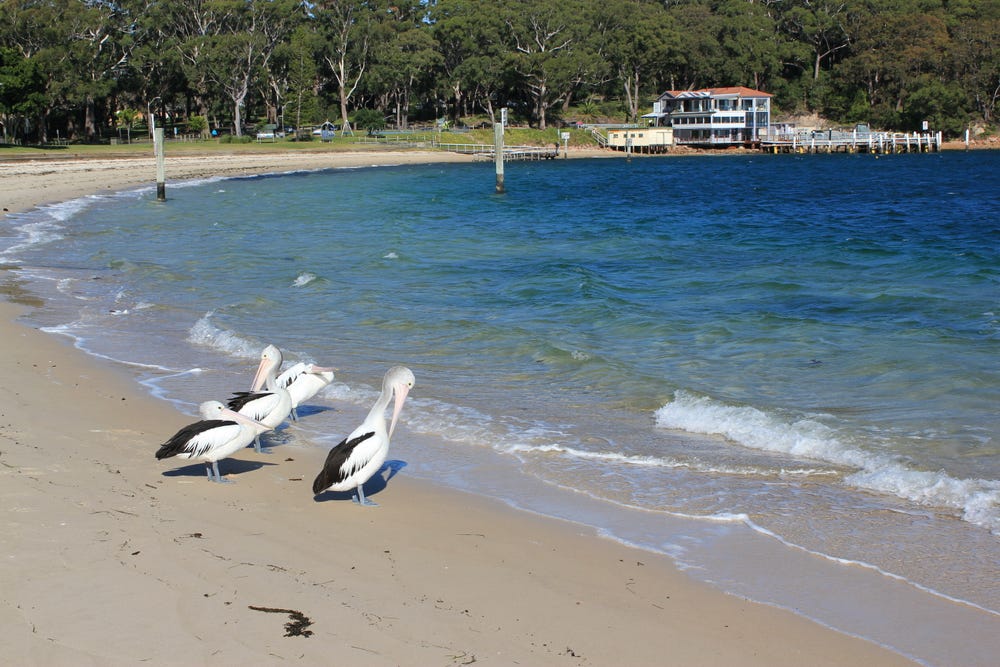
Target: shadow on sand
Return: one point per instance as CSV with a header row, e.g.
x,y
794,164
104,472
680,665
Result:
x,y
372,487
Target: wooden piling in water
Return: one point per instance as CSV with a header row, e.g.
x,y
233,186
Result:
x,y
498,155
161,185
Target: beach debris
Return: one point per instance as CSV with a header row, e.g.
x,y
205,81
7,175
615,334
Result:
x,y
296,627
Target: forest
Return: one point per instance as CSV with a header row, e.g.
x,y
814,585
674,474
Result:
x,y
82,70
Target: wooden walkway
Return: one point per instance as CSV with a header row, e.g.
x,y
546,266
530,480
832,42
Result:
x,y
853,142
487,152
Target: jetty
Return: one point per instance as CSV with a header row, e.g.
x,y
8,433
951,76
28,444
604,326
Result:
x,y
488,151
834,141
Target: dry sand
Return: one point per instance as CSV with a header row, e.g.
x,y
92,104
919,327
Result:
x,y
113,558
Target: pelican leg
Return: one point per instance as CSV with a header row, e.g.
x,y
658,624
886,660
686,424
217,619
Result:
x,y
258,448
359,497
218,478
295,415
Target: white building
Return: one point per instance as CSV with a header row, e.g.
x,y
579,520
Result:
x,y
714,116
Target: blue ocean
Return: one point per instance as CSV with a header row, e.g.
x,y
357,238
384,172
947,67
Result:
x,y
783,372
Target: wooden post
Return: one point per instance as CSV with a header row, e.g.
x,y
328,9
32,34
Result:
x,y
498,155
161,186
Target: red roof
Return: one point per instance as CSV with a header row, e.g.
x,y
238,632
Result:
x,y
742,91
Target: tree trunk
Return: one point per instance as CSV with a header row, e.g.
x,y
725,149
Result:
x,y
456,91
344,124
540,107
90,122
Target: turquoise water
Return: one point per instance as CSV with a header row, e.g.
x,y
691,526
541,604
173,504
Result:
x,y
800,347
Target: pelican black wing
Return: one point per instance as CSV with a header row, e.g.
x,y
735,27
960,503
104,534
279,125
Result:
x,y
332,471
241,398
179,442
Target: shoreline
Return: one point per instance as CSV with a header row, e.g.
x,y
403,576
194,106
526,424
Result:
x,y
114,558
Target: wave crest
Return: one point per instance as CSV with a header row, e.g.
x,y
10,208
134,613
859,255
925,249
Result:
x,y
977,500
205,333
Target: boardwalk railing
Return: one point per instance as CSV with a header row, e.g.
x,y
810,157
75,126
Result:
x,y
854,142
486,151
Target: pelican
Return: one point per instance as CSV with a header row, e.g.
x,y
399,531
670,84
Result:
x,y
360,455
221,433
303,381
269,407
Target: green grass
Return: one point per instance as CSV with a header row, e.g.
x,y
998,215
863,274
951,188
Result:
x,y
513,137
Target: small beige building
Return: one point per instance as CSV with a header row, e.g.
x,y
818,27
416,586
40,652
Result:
x,y
642,139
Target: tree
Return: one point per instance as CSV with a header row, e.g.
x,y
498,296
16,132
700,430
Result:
x,y
22,90
976,62
820,24
407,59
346,27
127,118
891,56
371,120
295,78
749,40
475,61
701,56
640,42
238,56
542,38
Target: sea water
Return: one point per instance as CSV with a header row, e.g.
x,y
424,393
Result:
x,y
782,371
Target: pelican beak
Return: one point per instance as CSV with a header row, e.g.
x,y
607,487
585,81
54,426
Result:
x,y
226,413
260,376
321,369
401,390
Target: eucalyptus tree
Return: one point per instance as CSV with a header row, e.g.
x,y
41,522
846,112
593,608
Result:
x,y
405,62
748,34
585,66
236,57
975,57
822,25
189,28
102,43
22,92
641,45
26,33
701,57
544,39
892,57
76,46
347,28
475,61
294,78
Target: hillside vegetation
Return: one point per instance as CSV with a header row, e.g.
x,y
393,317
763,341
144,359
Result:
x,y
92,70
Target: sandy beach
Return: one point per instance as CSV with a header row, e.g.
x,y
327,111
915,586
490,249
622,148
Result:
x,y
114,558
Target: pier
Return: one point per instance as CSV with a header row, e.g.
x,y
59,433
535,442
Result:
x,y
488,152
832,141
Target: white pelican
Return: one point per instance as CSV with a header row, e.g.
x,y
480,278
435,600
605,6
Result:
x,y
303,381
360,455
221,433
269,407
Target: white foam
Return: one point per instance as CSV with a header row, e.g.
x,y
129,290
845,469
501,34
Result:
x,y
33,234
303,279
80,343
205,333
663,462
977,500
